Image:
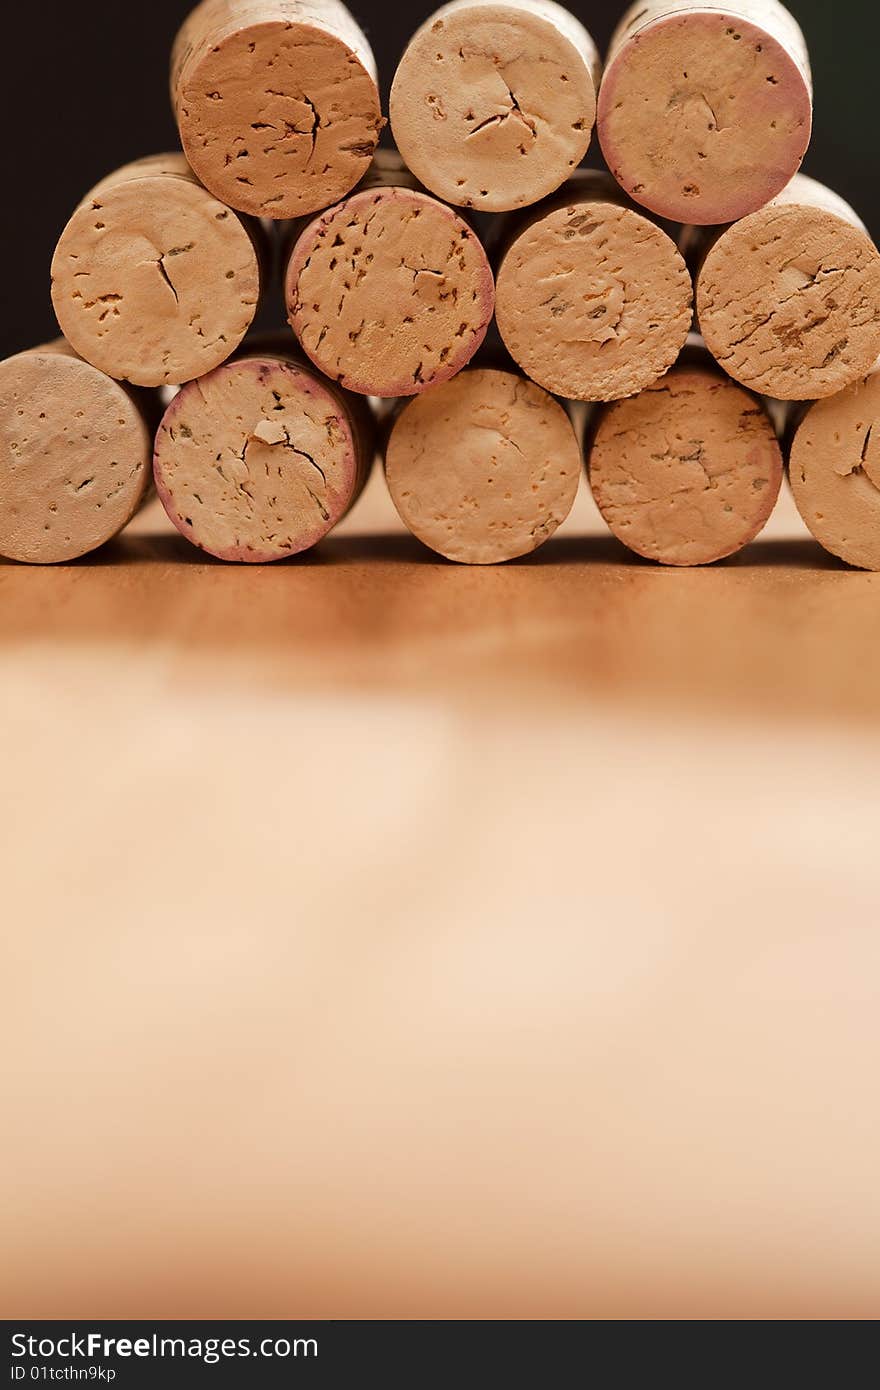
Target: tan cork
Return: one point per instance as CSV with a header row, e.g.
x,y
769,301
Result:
x,y
75,451
689,471
593,300
834,470
390,292
493,104
483,468
261,458
788,300
154,281
276,102
705,111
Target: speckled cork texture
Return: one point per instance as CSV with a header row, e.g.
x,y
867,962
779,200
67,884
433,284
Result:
x,y
705,111
493,105
788,300
689,471
74,456
154,281
834,470
261,458
593,300
483,468
390,292
276,102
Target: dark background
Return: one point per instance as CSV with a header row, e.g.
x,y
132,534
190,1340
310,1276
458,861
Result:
x,y
85,89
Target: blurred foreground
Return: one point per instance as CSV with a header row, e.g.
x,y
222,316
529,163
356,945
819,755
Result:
x,y
388,938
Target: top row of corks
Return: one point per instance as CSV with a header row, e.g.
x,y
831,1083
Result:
x,y
703,114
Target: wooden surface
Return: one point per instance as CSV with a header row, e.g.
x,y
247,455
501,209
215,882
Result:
x,y
389,937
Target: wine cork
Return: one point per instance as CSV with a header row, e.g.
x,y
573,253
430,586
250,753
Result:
x,y
261,458
493,104
483,468
276,102
705,111
153,280
834,470
593,300
390,292
788,300
75,451
689,471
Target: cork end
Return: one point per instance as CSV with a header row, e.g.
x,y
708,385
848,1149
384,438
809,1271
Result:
x,y
484,468
256,462
688,472
74,458
389,293
703,117
834,470
278,120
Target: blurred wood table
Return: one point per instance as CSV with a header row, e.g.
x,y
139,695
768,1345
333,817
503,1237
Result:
x,y
385,937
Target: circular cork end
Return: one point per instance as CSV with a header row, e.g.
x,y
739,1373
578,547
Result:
x,y
74,457
594,301
276,119
789,302
390,292
687,472
834,470
484,468
704,116
256,461
492,106
154,281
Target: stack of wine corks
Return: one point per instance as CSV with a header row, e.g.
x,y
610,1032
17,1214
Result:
x,y
677,294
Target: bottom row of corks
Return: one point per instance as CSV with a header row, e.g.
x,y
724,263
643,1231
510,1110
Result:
x,y
261,458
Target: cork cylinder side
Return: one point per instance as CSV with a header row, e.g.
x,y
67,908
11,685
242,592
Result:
x,y
75,450
390,292
493,104
788,300
154,280
483,468
705,110
261,458
593,299
276,102
834,470
689,471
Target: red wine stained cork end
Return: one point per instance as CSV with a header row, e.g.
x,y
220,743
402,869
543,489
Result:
x,y
834,470
74,457
484,468
704,117
389,293
153,280
256,461
689,471
788,301
492,106
594,301
277,119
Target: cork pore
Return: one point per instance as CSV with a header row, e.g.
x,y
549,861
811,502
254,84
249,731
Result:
x,y
483,468
594,301
256,461
689,471
74,457
492,106
789,302
154,281
834,470
278,120
704,117
390,292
